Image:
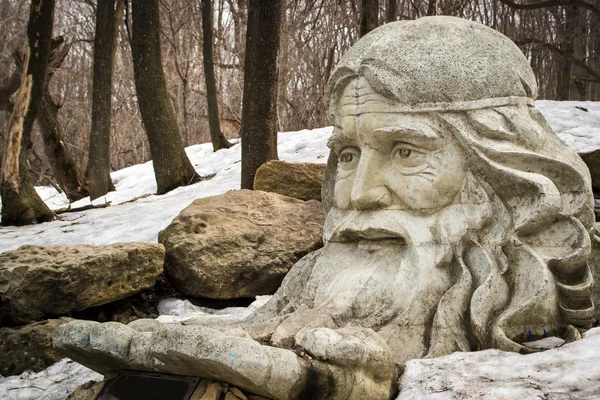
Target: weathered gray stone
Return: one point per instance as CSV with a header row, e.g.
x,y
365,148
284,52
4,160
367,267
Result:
x,y
239,244
29,347
456,220
174,349
545,343
298,180
41,281
594,263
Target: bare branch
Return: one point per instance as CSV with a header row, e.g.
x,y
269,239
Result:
x,y
595,74
552,3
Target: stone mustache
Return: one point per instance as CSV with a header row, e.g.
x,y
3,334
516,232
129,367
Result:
x,y
456,221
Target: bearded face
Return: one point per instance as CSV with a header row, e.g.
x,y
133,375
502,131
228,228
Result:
x,y
419,244
404,200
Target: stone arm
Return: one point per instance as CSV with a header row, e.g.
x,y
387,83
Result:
x,y
348,363
324,363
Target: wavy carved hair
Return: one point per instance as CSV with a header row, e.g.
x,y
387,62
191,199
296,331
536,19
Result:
x,y
526,272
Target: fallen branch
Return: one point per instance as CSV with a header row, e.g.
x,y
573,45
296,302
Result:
x,y
82,208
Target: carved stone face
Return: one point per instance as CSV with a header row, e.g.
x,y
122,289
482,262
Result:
x,y
392,160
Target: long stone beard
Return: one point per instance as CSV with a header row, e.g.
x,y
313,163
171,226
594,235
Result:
x,y
389,270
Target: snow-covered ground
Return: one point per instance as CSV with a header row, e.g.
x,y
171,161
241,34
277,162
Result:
x,y
578,128
568,372
142,219
53,383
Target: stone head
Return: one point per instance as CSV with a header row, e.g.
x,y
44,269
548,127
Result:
x,y
438,114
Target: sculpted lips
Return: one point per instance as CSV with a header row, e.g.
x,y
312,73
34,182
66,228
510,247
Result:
x,y
371,239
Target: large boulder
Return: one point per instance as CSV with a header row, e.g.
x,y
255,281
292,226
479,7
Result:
x,y
239,244
28,348
298,180
41,281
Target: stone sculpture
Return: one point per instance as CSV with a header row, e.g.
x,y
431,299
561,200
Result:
x,y
456,221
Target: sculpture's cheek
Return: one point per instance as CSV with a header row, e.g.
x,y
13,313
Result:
x,y
435,186
343,189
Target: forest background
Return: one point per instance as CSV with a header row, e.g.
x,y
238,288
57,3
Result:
x,y
561,38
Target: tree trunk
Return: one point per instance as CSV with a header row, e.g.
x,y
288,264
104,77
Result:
x,y
172,168
21,205
63,166
369,12
98,169
259,104
566,70
432,8
391,11
218,139
65,170
239,23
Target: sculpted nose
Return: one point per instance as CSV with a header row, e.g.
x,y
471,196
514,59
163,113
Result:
x,y
370,191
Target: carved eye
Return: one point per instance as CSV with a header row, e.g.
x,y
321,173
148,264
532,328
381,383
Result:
x,y
405,155
349,157
404,152
346,157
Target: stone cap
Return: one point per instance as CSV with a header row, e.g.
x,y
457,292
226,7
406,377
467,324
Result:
x,y
438,64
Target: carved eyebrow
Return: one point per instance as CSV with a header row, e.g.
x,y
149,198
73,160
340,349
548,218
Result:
x,y
337,140
412,131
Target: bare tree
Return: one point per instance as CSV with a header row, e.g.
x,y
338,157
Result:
x,y
66,172
317,34
21,205
259,107
172,167
391,11
369,16
98,170
218,139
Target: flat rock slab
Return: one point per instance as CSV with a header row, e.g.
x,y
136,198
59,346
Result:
x,y
239,244
568,372
298,180
41,281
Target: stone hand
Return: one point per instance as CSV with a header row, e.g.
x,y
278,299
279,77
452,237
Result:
x,y
357,359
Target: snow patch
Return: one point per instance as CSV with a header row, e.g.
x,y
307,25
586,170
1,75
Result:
x,y
54,383
142,219
176,310
568,372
